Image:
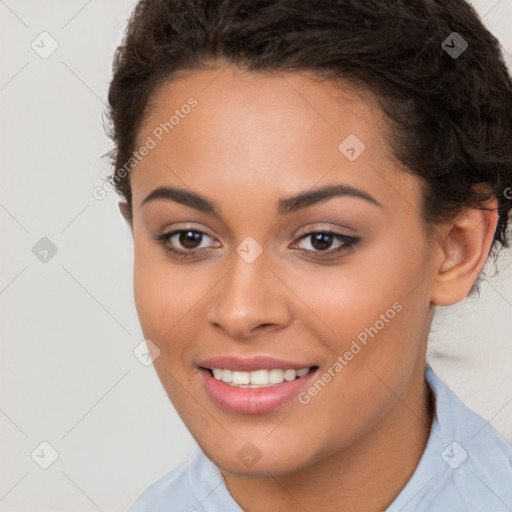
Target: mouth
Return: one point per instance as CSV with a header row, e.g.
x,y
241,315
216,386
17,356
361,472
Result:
x,y
257,391
258,378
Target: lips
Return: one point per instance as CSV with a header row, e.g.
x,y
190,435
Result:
x,y
251,399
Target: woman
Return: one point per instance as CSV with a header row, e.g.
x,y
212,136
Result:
x,y
305,182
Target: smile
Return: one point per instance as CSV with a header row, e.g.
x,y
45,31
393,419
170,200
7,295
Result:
x,y
256,391
258,378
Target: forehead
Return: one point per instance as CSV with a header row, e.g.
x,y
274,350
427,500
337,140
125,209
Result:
x,y
261,132
291,100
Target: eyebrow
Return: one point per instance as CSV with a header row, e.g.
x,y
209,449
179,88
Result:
x,y
286,205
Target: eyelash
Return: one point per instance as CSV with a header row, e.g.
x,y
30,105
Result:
x,y
349,242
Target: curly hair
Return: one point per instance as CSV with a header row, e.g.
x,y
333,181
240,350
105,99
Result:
x,y
450,116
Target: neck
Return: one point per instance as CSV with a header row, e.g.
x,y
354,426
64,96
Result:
x,y
367,476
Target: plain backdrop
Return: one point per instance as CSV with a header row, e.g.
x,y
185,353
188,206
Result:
x,y
69,327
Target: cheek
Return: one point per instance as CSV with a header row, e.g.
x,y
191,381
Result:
x,y
377,327
372,308
170,300
160,293
352,295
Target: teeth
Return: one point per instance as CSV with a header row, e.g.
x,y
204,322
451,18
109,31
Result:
x,y
257,378
227,375
275,376
240,378
289,374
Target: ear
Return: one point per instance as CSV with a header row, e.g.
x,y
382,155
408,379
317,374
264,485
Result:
x,y
126,212
463,250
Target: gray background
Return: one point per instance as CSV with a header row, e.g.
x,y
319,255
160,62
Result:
x,y
69,325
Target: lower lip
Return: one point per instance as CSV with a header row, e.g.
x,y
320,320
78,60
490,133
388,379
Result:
x,y
254,400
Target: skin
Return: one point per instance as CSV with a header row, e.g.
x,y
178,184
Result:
x,y
251,140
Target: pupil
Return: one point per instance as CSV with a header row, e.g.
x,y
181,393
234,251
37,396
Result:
x,y
189,238
321,241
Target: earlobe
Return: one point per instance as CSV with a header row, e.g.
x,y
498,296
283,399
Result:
x,y
463,253
126,212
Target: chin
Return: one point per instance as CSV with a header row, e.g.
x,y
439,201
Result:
x,y
259,459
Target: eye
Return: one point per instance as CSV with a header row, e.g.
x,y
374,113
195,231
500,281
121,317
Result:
x,y
184,243
321,241
188,239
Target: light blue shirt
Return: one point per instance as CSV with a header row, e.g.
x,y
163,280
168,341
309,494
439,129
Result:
x,y
466,467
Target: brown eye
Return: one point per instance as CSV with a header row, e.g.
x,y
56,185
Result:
x,y
183,243
321,242
189,239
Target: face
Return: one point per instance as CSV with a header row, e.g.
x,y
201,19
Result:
x,y
282,237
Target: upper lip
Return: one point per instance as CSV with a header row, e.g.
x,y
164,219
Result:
x,y
248,364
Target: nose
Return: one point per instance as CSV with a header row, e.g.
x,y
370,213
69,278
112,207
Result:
x,y
249,299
